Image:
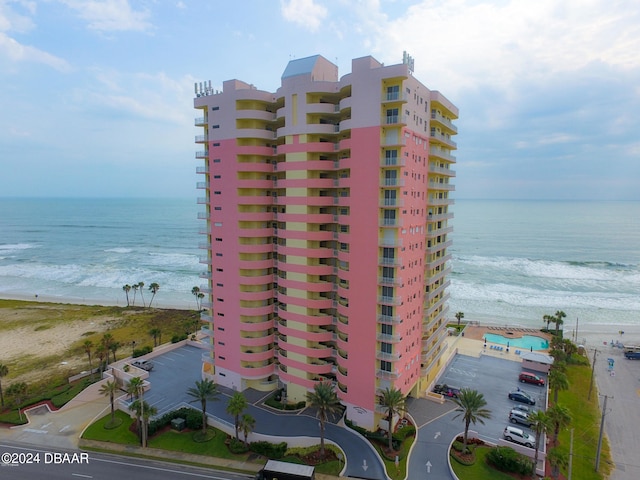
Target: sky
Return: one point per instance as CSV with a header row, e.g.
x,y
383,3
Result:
x,y
96,96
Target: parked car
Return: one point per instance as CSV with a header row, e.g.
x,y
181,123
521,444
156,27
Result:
x,y
447,390
632,355
517,435
521,408
143,364
520,396
518,416
528,377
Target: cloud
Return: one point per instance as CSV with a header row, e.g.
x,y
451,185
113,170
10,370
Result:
x,y
458,43
17,52
305,13
110,15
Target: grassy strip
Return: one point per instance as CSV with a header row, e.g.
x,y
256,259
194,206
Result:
x,y
120,434
480,470
585,421
399,472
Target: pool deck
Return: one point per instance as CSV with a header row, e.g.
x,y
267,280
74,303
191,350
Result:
x,y
477,332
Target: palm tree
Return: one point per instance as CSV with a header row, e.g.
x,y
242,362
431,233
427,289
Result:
x,y
127,289
141,287
88,345
114,348
557,459
557,381
395,403
153,288
459,316
144,412
204,390
18,392
548,319
558,320
4,371
195,291
559,417
110,388
155,333
106,342
325,400
135,387
237,404
471,405
247,424
539,425
101,353
135,290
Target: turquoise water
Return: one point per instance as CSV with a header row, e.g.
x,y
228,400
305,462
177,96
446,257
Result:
x,y
526,342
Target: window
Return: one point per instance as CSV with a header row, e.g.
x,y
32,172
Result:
x,y
386,347
387,329
385,366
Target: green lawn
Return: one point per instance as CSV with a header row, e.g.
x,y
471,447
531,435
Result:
x,y
120,434
480,470
183,442
586,424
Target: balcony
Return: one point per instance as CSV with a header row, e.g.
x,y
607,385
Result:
x,y
444,121
202,154
383,337
394,119
392,162
385,300
390,242
390,222
390,319
389,357
392,182
386,375
445,139
200,121
202,138
393,97
391,202
389,281
441,186
395,262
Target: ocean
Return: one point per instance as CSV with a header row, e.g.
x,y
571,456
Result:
x,y
512,261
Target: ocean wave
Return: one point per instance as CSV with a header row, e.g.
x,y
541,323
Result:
x,y
523,296
119,250
15,247
547,269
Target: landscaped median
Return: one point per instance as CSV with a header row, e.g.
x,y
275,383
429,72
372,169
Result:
x,y
181,447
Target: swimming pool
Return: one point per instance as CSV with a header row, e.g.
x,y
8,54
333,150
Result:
x,y
527,342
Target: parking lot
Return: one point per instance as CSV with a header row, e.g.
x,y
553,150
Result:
x,y
494,378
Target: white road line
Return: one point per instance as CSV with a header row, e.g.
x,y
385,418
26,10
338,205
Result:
x,y
162,469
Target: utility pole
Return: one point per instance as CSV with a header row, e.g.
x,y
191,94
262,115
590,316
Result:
x,y
604,412
570,455
593,367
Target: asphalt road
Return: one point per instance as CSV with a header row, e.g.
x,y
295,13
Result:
x,y
622,415
30,463
437,424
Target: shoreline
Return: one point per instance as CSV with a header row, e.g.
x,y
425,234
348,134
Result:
x,y
589,334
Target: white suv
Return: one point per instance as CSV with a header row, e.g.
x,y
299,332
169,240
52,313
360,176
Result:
x,y
518,435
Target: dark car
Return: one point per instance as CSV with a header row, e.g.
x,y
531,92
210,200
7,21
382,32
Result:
x,y
143,364
447,390
520,396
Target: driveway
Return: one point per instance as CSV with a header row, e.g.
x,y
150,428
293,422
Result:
x,y
177,371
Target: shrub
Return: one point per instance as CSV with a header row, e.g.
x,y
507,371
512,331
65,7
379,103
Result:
x,y
269,450
138,352
179,338
237,446
508,460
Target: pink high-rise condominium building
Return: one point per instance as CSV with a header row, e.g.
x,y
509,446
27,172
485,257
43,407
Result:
x,y
327,223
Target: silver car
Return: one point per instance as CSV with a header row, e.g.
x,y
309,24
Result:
x,y
518,416
517,435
